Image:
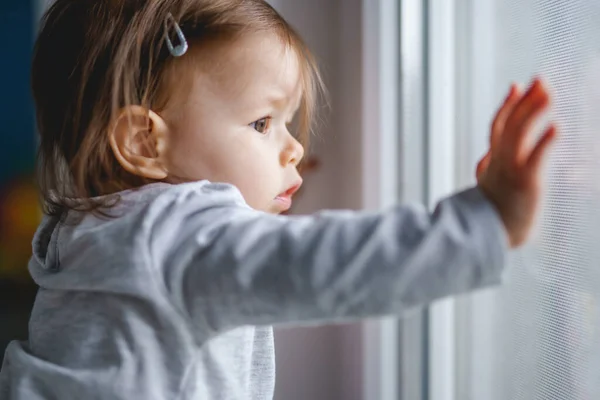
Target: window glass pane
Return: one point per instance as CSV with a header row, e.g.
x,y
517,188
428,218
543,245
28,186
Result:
x,y
546,320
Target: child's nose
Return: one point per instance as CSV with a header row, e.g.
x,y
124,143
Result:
x,y
292,153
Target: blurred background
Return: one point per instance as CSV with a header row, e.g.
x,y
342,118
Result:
x,y
19,212
414,85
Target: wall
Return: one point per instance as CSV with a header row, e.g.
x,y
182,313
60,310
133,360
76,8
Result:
x,y
324,363
16,106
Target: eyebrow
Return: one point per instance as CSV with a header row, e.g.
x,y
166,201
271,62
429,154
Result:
x,y
278,99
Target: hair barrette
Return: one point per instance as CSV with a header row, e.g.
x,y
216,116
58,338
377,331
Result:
x,y
182,47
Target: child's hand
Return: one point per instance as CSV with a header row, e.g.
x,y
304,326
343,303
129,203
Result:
x,y
510,173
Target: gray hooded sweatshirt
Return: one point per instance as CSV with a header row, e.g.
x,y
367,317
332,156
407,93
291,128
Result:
x,y
175,296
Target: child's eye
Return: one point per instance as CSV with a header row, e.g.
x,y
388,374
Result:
x,y
262,125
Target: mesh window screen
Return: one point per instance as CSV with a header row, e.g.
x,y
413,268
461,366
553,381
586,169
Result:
x,y
547,318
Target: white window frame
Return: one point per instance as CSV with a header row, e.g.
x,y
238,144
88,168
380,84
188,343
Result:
x,y
455,326
413,167
441,156
394,169
380,175
451,66
425,150
475,327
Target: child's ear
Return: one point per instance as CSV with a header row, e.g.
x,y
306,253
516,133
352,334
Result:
x,y
138,138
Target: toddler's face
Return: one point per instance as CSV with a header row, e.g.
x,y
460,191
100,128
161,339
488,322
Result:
x,y
232,124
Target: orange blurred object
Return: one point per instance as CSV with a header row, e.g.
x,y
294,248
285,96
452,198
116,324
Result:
x,y
20,215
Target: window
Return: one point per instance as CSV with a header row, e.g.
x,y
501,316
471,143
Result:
x,y
536,337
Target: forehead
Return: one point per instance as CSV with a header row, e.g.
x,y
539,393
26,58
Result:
x,y
260,66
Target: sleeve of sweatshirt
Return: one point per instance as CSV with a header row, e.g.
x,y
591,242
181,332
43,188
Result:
x,y
225,265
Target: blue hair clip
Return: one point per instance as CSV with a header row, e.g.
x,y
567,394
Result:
x,y
182,47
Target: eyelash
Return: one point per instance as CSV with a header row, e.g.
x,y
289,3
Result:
x,y
267,125
267,121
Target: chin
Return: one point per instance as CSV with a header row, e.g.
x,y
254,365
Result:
x,y
275,211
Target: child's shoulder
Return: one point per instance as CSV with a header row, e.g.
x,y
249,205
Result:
x,y
142,209
141,219
146,202
150,205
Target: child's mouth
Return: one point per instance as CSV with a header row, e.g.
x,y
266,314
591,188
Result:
x,y
285,199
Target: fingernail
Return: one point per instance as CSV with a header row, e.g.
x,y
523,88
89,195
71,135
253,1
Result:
x,y
539,82
536,87
511,91
535,83
518,87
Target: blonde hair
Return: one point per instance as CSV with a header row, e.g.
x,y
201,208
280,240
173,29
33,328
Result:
x,y
94,57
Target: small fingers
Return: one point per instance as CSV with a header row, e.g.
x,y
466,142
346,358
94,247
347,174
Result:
x,y
524,114
526,110
541,148
531,110
514,94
